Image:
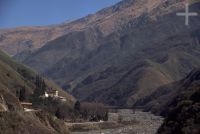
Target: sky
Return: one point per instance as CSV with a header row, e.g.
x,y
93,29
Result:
x,y
15,13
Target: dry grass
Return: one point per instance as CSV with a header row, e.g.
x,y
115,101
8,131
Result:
x,y
30,123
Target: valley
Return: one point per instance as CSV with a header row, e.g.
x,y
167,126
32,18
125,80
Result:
x,y
142,122
131,68
119,66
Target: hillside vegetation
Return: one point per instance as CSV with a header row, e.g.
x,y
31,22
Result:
x,y
15,76
31,123
14,79
183,111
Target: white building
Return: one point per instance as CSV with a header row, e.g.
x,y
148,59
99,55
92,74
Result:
x,y
53,94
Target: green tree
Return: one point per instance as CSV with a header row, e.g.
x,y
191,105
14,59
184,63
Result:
x,y
40,86
22,94
77,106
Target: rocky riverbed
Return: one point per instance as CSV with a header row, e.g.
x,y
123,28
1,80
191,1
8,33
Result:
x,y
145,123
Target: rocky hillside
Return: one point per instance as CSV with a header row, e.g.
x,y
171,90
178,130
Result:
x,y
122,53
179,103
30,123
183,111
15,77
24,40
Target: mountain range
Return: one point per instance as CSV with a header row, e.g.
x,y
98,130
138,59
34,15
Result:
x,y
117,56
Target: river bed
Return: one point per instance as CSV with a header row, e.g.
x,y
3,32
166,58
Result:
x,y
147,123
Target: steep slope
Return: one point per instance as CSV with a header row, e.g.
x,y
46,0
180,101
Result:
x,y
183,109
22,41
149,49
15,77
118,55
160,101
30,123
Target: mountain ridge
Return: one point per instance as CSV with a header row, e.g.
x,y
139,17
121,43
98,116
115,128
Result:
x,y
148,48
24,39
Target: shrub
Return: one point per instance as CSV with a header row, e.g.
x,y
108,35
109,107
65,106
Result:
x,y
94,111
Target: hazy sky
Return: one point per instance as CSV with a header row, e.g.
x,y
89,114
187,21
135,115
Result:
x,y
14,13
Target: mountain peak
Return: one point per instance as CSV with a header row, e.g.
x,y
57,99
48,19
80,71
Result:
x,y
119,49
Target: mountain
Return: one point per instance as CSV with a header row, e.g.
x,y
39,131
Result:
x,y
183,110
167,96
120,54
22,41
15,77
